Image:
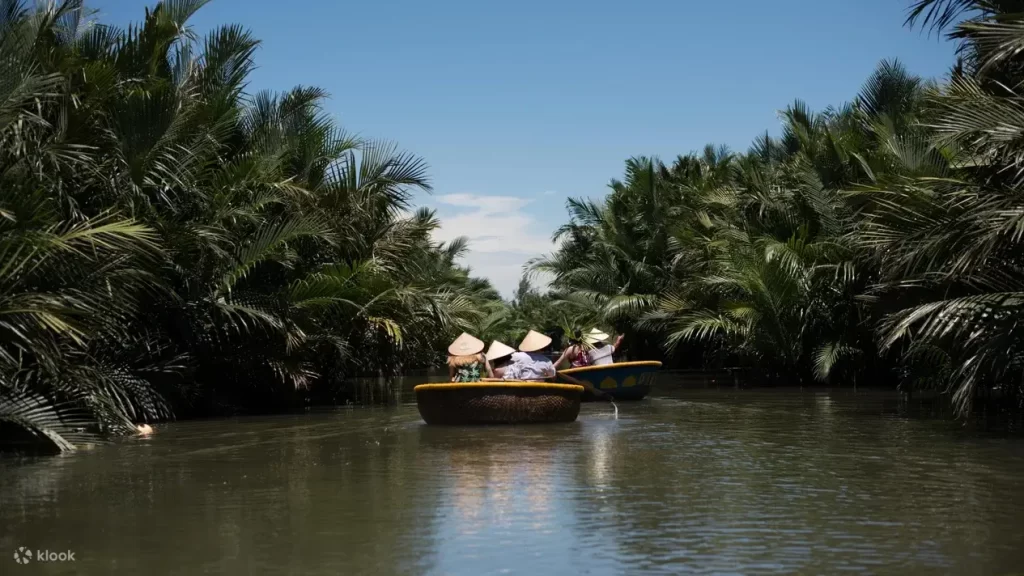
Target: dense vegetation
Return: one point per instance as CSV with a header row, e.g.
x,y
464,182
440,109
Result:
x,y
171,242
877,241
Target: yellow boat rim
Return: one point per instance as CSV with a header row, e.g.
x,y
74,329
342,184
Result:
x,y
644,363
498,385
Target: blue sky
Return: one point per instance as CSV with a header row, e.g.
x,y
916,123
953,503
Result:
x,y
518,105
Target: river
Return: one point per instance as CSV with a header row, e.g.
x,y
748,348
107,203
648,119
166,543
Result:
x,y
707,481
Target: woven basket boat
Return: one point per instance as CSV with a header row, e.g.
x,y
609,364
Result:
x,y
622,380
498,402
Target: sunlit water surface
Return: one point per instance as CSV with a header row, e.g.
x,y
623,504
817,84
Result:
x,y
687,481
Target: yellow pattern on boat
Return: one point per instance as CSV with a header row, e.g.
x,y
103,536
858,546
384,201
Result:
x,y
625,380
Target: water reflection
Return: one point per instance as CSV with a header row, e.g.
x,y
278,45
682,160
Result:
x,y
600,445
503,490
749,482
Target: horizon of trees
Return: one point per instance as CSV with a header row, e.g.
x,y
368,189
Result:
x,y
877,241
172,245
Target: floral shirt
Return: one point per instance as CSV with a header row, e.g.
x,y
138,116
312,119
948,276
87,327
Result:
x,y
468,373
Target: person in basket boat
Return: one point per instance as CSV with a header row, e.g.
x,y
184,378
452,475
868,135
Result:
x,y
466,362
601,351
591,349
530,362
575,355
500,356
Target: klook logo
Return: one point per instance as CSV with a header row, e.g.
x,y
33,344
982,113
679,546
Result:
x,y
23,556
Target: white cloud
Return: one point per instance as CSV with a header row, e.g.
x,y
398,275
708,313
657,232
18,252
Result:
x,y
502,235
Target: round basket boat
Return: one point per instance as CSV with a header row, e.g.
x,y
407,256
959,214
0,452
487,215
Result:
x,y
498,402
623,380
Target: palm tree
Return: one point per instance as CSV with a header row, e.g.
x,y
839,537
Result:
x,y
69,280
170,241
948,241
614,256
752,257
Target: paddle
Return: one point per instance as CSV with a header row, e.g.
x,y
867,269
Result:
x,y
590,388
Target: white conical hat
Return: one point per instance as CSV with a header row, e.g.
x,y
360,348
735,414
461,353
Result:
x,y
534,341
465,345
499,350
595,336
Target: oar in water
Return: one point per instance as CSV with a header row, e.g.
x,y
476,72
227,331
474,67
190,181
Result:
x,y
589,387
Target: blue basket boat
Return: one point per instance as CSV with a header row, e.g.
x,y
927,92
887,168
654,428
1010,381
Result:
x,y
622,380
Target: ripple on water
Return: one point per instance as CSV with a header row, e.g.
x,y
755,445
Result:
x,y
709,482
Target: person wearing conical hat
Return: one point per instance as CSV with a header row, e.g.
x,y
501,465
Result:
x,y
466,361
499,355
601,352
531,363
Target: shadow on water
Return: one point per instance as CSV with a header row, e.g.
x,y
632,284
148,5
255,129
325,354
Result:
x,y
382,390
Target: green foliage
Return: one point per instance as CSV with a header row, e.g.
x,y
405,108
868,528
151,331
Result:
x,y
876,241
529,309
171,243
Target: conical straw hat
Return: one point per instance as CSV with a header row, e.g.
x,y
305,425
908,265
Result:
x,y
499,350
465,345
595,336
534,341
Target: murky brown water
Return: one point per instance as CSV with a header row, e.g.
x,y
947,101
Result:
x,y
712,482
